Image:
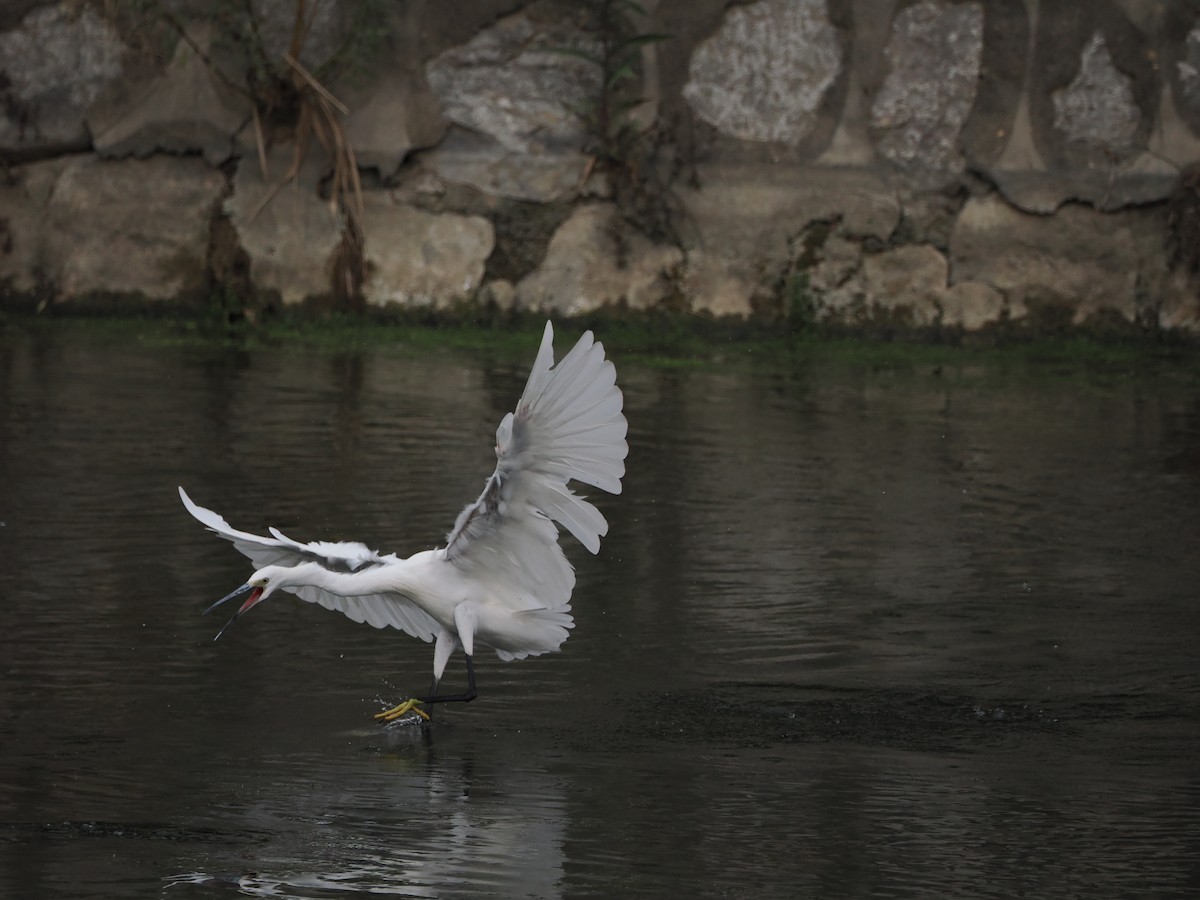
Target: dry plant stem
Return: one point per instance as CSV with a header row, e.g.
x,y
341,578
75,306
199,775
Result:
x,y
346,181
316,85
587,172
318,118
261,143
297,159
301,25
267,198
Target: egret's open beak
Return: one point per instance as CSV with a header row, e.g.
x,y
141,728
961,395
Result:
x,y
255,594
229,596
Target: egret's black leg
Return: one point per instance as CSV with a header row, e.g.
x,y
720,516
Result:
x,y
469,695
414,705
433,686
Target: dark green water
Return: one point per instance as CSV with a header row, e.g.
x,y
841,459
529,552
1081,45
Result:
x,y
854,632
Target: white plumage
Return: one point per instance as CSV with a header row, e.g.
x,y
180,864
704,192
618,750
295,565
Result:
x,y
502,578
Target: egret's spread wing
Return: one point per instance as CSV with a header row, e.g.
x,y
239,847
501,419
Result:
x,y
379,610
568,426
338,556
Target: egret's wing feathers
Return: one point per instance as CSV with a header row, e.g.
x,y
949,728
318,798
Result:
x,y
338,556
380,610
568,426
377,610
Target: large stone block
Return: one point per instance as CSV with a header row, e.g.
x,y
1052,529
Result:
x,y
898,287
392,115
591,263
24,196
934,55
418,258
1180,306
749,213
1097,109
52,67
971,305
1078,260
1096,117
765,73
713,286
478,161
513,96
135,228
905,285
288,231
183,109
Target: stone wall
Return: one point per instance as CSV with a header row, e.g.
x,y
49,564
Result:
x,y
1008,163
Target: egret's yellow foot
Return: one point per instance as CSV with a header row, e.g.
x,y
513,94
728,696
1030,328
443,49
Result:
x,y
391,715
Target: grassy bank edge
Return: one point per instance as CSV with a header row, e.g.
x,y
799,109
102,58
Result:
x,y
668,341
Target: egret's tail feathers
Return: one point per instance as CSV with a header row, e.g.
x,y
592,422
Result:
x,y
543,631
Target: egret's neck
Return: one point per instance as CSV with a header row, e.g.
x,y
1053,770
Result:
x,y
371,580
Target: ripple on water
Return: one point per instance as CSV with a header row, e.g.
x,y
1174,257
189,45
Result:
x,y
853,632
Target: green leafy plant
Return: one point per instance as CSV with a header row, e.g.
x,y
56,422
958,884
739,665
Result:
x,y
799,305
617,141
608,114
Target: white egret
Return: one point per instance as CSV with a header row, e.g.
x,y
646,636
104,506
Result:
x,y
502,579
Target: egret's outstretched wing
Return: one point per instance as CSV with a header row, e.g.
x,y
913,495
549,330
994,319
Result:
x,y
379,610
279,550
384,610
568,426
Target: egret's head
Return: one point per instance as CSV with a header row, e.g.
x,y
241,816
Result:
x,y
261,585
264,583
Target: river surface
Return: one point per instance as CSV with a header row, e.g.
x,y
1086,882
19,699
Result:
x,y
856,631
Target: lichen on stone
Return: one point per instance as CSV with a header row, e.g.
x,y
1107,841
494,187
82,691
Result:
x,y
1097,108
763,75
